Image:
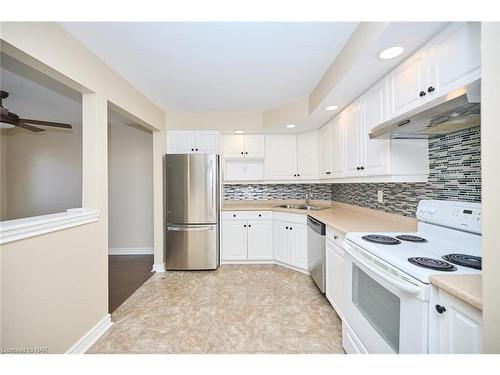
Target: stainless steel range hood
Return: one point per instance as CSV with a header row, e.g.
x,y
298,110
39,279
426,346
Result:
x,y
460,109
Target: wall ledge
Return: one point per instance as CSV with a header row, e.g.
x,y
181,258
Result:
x,y
19,229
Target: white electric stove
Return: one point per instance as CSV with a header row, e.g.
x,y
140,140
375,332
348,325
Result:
x,y
387,307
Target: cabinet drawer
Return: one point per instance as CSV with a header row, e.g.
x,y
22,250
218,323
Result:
x,y
335,236
290,218
247,215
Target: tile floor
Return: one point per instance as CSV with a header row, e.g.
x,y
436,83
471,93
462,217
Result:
x,y
236,309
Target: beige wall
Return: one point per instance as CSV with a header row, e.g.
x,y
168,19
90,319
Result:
x,y
130,186
490,139
54,286
43,172
225,121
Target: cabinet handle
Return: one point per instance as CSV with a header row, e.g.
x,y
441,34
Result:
x,y
357,168
422,93
196,149
290,228
430,89
246,152
249,225
242,152
260,215
328,172
335,237
192,149
362,168
244,226
298,175
440,309
286,228
294,175
234,215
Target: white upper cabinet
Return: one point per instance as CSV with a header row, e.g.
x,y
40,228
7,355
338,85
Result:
x,y
254,146
325,151
234,145
408,84
280,162
244,146
193,141
376,152
308,155
455,58
353,128
338,147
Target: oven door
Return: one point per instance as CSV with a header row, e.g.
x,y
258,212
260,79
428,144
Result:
x,y
385,309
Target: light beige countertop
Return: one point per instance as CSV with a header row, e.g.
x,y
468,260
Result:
x,y
340,216
468,288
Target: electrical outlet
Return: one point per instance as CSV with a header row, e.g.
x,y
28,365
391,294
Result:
x,y
380,196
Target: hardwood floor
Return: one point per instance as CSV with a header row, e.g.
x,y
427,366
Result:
x,y
126,274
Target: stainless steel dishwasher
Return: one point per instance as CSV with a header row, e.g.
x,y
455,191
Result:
x,y
316,251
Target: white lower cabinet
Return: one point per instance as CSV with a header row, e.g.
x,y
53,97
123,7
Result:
x,y
335,272
259,240
259,236
247,235
460,326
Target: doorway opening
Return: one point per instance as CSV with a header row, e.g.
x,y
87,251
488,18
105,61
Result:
x,y
130,207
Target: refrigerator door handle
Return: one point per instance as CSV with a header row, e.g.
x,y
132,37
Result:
x,y
189,228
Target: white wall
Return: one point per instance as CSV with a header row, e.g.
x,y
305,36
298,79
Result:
x,y
130,186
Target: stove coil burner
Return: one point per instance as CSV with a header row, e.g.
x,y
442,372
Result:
x,y
435,264
384,240
464,260
411,238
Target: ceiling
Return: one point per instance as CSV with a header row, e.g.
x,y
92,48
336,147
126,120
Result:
x,y
34,95
215,66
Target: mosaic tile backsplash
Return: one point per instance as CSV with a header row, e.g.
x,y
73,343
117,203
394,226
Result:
x,y
277,191
455,174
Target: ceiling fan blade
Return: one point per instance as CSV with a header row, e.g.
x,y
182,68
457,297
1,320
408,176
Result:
x,y
29,127
47,123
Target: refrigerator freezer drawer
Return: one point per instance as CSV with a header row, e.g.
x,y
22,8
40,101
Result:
x,y
191,247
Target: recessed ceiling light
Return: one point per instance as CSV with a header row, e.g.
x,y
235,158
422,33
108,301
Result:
x,y
331,108
390,53
239,131
290,126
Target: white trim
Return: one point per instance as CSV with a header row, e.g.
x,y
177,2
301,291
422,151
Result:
x,y
130,251
18,229
87,340
276,262
338,180
158,268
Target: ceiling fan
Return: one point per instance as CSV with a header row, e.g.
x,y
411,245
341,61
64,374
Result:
x,y
11,120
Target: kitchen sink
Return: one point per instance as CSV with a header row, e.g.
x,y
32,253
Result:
x,y
302,207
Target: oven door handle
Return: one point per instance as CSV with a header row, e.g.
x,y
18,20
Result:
x,y
399,283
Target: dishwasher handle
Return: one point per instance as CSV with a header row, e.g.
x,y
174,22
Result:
x,y
316,225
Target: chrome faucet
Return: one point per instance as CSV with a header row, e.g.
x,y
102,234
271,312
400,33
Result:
x,y
308,198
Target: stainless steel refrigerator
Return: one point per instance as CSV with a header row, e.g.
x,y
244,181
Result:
x,y
192,211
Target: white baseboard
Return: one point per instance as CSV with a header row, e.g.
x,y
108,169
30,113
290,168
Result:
x,y
85,342
265,262
130,251
158,267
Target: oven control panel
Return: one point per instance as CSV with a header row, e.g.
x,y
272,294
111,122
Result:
x,y
465,216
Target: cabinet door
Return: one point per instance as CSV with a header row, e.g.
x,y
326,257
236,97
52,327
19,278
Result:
x,y
180,142
234,234
460,327
337,139
376,152
280,162
234,146
308,155
335,276
406,82
281,240
325,151
207,142
455,57
254,146
260,240
298,246
353,148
